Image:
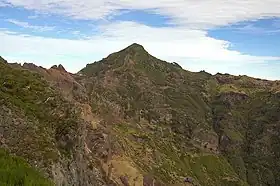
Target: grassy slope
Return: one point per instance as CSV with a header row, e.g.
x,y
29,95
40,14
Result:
x,y
16,171
161,157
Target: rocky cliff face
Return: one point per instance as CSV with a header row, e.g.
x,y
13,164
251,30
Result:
x,y
39,123
132,119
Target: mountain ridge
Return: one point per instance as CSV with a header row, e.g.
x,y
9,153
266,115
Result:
x,y
133,119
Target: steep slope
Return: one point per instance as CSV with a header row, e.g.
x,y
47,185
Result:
x,y
246,117
132,119
160,118
38,124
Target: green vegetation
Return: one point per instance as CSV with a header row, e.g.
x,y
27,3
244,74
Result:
x,y
31,96
170,113
172,123
16,171
249,148
40,125
25,90
168,164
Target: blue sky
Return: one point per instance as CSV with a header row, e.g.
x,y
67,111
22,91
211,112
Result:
x,y
237,37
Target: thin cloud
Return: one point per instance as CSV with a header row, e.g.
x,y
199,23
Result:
x,y
33,27
194,14
33,17
3,3
178,42
252,29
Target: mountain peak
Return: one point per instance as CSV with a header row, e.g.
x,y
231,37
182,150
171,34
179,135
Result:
x,y
129,57
135,47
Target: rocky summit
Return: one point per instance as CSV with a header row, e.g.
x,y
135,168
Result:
x,y
134,120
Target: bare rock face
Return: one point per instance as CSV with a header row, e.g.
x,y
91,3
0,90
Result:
x,y
62,80
232,98
124,180
34,68
59,67
77,170
15,65
18,135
